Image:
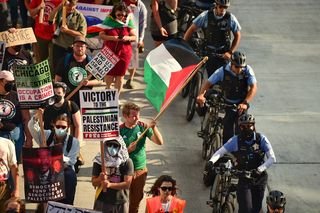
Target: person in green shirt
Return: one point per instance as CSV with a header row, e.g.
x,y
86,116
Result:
x,y
130,130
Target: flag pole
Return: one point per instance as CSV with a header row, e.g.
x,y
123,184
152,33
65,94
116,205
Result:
x,y
78,87
103,166
194,71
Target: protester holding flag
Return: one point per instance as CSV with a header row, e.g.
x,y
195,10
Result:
x,y
14,120
8,166
130,130
64,35
118,35
59,134
112,194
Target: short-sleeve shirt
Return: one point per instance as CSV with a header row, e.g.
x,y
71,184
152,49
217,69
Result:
x,y
218,76
202,21
232,143
22,58
72,73
51,112
113,196
11,107
138,156
7,157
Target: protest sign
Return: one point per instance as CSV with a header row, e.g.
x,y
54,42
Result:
x,y
43,173
102,63
34,84
54,207
19,37
2,51
94,13
100,114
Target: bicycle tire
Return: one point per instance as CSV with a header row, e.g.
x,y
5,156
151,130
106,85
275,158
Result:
x,y
214,145
205,146
185,90
227,208
193,93
217,188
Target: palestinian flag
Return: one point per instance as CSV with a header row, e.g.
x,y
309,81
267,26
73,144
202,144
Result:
x,y
109,23
166,68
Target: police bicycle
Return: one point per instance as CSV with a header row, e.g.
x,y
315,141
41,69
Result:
x,y
223,190
212,122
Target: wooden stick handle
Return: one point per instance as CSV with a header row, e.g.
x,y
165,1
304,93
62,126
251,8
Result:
x,y
103,166
41,13
78,87
64,13
41,125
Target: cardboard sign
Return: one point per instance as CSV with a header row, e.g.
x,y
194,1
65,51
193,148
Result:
x,y
43,173
19,37
102,63
54,207
100,114
2,51
34,84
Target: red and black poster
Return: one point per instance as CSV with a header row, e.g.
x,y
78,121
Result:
x,y
43,174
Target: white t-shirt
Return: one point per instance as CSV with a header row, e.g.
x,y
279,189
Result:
x,y
7,157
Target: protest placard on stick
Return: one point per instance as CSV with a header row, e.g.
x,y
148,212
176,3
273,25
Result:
x,y
34,84
100,114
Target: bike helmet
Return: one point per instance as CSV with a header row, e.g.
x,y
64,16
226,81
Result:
x,y
246,119
223,2
276,199
239,59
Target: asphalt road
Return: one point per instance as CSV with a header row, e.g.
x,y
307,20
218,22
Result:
x,y
281,40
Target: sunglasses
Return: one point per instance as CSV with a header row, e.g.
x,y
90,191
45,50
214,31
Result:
x,y
60,127
246,126
121,15
164,188
112,145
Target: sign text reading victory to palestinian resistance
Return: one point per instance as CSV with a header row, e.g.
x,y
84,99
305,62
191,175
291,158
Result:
x,y
100,114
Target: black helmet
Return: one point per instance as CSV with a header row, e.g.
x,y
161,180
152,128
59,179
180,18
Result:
x,y
276,199
223,2
239,59
246,119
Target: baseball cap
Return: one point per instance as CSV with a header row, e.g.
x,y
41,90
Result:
x,y
4,74
79,39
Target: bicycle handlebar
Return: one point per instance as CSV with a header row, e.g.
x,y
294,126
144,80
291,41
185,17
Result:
x,y
222,170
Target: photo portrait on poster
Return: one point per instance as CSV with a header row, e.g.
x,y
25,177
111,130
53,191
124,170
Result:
x,y
43,173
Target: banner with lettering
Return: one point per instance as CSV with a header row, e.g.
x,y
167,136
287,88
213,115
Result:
x,y
34,85
94,15
19,37
2,51
102,63
54,207
100,114
43,173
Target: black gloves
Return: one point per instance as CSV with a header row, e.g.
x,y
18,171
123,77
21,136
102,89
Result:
x,y
255,173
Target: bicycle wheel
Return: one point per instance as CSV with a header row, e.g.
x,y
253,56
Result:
x,y
214,144
216,189
206,138
185,90
193,93
227,208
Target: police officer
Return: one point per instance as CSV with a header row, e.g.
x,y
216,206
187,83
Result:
x,y
249,149
217,25
239,86
276,202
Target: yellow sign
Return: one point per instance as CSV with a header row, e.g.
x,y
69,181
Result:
x,y
20,36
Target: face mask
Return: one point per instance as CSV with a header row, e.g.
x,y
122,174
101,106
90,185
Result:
x,y
246,134
60,132
8,86
12,211
113,151
57,98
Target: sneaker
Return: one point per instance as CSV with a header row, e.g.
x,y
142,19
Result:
x,y
128,84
